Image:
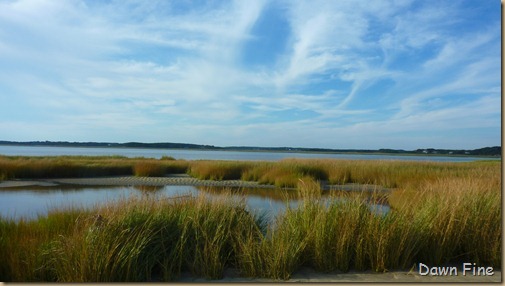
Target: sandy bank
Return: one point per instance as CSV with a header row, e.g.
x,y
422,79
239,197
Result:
x,y
169,180
308,275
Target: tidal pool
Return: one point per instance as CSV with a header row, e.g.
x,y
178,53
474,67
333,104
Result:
x,y
31,202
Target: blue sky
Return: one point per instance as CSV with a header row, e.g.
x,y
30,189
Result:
x,y
330,74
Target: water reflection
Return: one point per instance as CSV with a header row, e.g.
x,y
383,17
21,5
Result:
x,y
267,193
272,202
30,202
148,190
265,202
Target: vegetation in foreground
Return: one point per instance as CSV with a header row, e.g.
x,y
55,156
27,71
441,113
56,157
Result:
x,y
440,213
436,221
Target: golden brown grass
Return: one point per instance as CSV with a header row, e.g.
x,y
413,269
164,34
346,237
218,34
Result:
x,y
16,167
218,170
284,173
149,169
440,213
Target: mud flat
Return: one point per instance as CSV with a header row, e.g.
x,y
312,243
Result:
x,y
169,180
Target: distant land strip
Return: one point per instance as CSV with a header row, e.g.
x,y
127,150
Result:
x,y
486,151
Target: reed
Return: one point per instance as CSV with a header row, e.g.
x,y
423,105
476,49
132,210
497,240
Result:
x,y
458,219
132,240
342,235
445,220
214,230
12,167
440,213
390,242
50,167
218,170
335,241
308,188
277,254
23,244
284,173
149,169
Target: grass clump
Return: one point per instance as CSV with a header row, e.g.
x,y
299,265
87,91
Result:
x,y
459,219
218,170
340,235
24,244
133,240
156,240
149,169
167,158
286,173
446,220
277,254
16,167
440,213
336,240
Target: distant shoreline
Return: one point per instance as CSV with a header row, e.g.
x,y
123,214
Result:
x,y
486,152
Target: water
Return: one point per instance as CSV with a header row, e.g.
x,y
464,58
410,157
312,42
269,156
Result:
x,y
31,202
212,155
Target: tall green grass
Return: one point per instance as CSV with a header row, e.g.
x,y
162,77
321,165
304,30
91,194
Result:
x,y
340,236
23,244
459,219
440,213
133,240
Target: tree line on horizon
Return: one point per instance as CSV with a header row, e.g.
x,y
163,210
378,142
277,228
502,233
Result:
x,y
486,151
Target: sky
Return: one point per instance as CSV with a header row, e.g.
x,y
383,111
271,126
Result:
x,y
347,74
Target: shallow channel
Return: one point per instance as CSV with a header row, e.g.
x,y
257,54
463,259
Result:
x,y
33,201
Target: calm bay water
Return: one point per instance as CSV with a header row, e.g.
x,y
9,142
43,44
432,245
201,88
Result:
x,y
211,155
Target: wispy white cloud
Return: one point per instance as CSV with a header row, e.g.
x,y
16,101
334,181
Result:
x,y
175,72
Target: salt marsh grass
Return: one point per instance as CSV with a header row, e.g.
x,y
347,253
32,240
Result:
x,y
440,213
131,240
16,167
23,244
461,216
389,174
149,169
220,170
284,173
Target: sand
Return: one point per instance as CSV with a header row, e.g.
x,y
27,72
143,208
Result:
x,y
307,275
25,183
169,180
